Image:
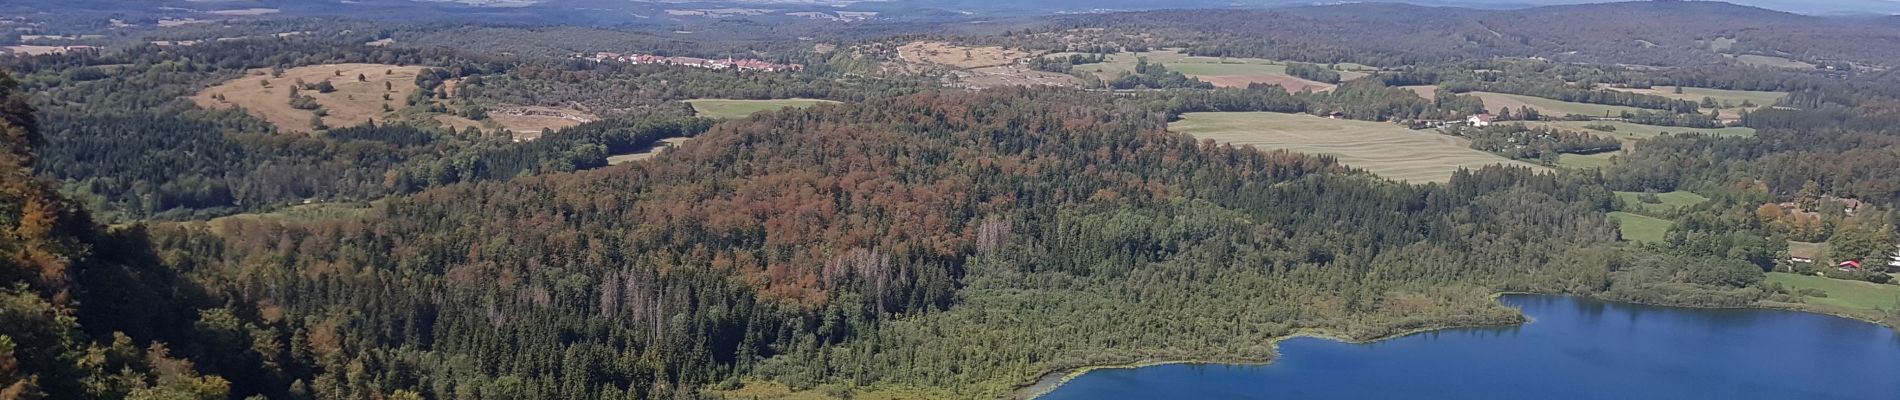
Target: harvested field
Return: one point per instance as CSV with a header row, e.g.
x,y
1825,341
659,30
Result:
x,y
729,109
1386,150
962,57
354,102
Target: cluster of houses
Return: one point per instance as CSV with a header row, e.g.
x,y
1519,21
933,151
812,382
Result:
x,y
729,63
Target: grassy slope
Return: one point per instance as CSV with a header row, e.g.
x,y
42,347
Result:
x,y
1842,293
1384,149
1640,228
726,109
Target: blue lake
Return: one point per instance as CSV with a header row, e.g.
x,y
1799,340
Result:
x,y
1572,349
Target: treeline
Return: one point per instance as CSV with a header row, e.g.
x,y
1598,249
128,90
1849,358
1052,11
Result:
x,y
1312,72
1539,143
1361,99
1154,76
1063,65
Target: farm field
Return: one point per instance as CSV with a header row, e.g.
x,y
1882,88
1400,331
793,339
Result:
x,y
1640,228
1671,201
1730,101
1223,72
354,102
1554,108
1841,293
727,109
1383,149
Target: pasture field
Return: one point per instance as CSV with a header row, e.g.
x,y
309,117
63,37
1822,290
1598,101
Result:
x,y
1842,293
1223,72
1386,150
1671,201
354,102
729,109
1641,228
1493,102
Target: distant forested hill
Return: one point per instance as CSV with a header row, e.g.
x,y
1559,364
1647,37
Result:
x,y
1644,33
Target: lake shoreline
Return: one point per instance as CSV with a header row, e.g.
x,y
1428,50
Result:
x,y
1050,381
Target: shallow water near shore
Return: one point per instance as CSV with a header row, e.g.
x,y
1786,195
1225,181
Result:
x,y
1573,349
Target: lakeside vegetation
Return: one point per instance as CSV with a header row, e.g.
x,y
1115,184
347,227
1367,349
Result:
x,y
1860,296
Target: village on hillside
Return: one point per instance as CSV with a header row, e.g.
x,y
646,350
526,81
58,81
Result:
x,y
728,63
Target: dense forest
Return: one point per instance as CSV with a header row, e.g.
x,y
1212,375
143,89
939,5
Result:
x,y
130,146
716,266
